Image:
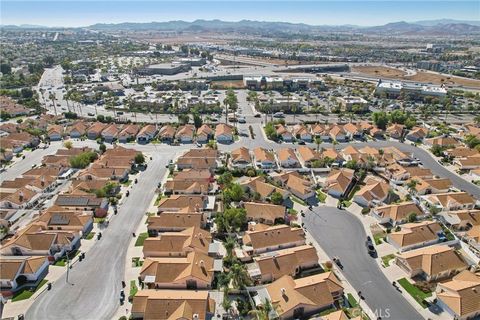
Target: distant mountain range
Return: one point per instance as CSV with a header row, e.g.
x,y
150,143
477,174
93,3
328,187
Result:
x,y
428,27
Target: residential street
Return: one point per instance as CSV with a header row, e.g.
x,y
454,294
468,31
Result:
x,y
341,234
95,283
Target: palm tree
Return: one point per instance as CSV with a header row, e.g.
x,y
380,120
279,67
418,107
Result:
x,y
412,185
318,142
239,275
52,97
227,303
229,245
263,311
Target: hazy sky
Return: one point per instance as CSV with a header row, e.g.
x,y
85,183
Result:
x,y
82,13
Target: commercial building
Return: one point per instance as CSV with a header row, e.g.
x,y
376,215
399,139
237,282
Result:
x,y
164,68
394,89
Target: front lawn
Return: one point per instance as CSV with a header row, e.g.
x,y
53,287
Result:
x,y
27,293
379,238
136,262
298,200
386,259
63,261
351,300
415,292
133,289
90,235
322,197
126,183
141,238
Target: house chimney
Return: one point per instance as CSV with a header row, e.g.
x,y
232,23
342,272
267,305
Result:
x,y
201,263
283,291
42,181
20,196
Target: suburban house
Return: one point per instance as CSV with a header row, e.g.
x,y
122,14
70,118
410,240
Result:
x,y
468,163
85,202
174,221
353,131
301,132
374,192
193,271
417,134
416,235
169,244
291,261
224,133
240,158
198,159
264,213
110,133
287,158
273,238
431,263
147,133
428,186
321,131
295,183
264,159
284,133
395,131
129,133
190,181
195,203
308,156
258,185
55,132
95,130
337,133
204,133
461,219
172,304
185,133
460,297
449,201
447,142
395,214
303,297
77,129
58,218
167,133
33,240
16,272
339,182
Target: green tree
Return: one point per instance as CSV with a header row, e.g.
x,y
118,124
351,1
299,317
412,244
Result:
x,y
239,275
276,198
68,144
102,147
139,158
380,119
197,120
5,68
412,217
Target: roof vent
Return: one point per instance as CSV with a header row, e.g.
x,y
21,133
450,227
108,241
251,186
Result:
x,y
283,291
195,316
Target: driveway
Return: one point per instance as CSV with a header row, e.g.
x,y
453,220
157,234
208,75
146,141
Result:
x,y
95,286
341,234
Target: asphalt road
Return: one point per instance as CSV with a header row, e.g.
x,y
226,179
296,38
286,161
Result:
x,y
341,234
95,286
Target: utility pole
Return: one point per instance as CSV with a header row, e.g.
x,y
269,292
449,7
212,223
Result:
x,y
68,267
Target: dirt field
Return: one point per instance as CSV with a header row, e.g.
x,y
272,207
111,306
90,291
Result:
x,y
232,84
421,76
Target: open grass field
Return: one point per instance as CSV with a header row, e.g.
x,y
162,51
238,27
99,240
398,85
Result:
x,y
421,76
